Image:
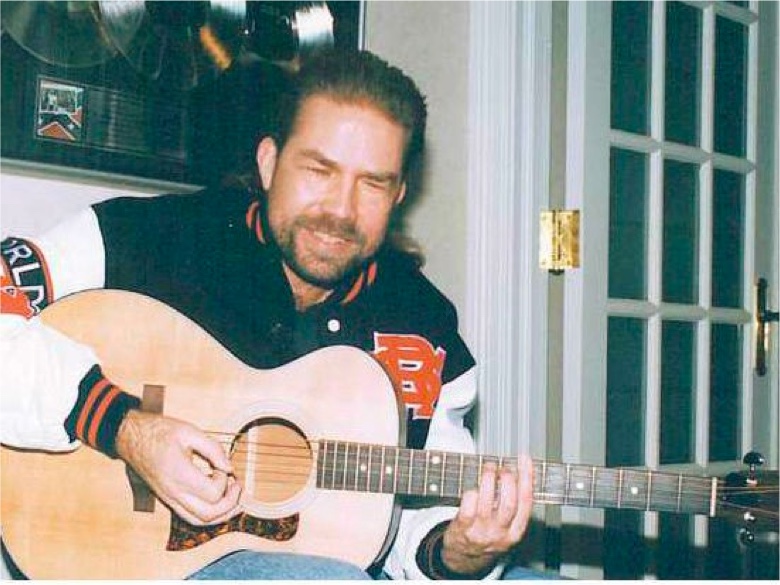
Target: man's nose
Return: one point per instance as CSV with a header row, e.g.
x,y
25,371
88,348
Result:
x,y
341,200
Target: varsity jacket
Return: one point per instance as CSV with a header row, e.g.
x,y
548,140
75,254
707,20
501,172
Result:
x,y
208,256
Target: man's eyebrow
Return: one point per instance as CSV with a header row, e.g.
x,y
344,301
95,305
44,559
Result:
x,y
317,156
388,177
320,158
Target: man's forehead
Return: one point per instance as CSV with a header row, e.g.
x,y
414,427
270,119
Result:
x,y
329,101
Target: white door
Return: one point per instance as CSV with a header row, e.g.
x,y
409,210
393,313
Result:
x,y
671,138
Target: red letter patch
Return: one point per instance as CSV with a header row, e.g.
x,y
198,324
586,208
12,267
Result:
x,y
415,366
13,301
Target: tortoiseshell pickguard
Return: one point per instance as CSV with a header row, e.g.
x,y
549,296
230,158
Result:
x,y
185,536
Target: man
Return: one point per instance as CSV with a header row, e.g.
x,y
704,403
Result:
x,y
304,264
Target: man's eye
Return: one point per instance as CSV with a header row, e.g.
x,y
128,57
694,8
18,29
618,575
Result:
x,y
318,171
377,184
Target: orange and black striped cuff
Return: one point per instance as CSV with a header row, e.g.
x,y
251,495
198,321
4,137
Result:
x,y
98,412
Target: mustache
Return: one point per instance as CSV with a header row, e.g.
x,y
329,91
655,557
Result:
x,y
333,226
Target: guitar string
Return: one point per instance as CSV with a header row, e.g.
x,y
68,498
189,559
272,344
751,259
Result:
x,y
660,495
282,477
661,492
307,454
668,498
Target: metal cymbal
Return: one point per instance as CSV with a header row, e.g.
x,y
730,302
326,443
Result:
x,y
66,34
177,44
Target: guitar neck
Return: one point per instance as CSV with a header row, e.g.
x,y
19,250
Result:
x,y
440,474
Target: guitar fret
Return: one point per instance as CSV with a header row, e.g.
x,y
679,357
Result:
x,y
567,489
460,476
395,471
411,461
383,472
649,489
358,468
443,475
368,466
620,489
593,472
320,462
501,463
714,496
345,466
544,480
432,486
323,461
425,473
679,492
334,466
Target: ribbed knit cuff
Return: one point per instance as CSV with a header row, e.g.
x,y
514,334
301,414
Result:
x,y
430,562
98,412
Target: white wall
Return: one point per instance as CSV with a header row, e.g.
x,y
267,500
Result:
x,y
429,40
33,200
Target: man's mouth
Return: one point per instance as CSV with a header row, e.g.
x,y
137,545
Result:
x,y
329,239
329,233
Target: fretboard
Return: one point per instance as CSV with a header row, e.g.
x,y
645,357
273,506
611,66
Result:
x,y
393,470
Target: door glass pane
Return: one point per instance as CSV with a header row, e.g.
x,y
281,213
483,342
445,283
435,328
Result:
x,y
627,224
727,562
626,561
631,66
683,73
625,441
730,97
725,392
678,387
625,391
680,233
728,220
676,555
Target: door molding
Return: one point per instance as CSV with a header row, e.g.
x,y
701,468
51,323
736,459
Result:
x,y
506,297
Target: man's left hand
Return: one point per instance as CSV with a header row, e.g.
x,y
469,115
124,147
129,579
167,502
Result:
x,y
491,519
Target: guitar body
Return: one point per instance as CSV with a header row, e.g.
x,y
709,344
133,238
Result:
x,y
72,515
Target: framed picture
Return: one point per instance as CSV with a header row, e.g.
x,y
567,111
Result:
x,y
142,107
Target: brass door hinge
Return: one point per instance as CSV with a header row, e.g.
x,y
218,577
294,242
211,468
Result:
x,y
764,317
559,240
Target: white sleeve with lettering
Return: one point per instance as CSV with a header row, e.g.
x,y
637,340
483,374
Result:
x,y
41,367
447,433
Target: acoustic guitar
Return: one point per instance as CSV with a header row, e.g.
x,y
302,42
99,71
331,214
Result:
x,y
314,443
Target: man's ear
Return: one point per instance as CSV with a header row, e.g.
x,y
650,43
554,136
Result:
x,y
401,193
266,161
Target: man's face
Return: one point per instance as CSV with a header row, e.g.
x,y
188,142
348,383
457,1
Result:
x,y
332,188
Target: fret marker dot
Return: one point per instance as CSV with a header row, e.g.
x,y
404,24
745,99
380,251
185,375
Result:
x,y
435,460
363,467
433,488
388,470
580,485
634,490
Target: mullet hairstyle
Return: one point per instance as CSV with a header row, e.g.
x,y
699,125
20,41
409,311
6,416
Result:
x,y
352,76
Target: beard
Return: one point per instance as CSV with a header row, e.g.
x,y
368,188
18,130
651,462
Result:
x,y
318,263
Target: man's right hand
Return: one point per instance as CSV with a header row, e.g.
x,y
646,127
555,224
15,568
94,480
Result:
x,y
162,451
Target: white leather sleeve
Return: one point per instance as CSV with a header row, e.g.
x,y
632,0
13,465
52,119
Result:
x,y
41,373
447,433
41,368
75,254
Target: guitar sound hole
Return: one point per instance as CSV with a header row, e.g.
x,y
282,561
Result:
x,y
272,459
